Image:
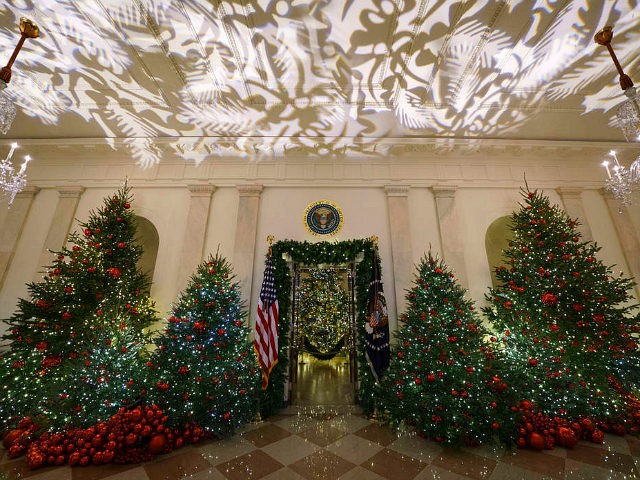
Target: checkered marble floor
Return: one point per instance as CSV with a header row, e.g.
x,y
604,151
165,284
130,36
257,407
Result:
x,y
324,442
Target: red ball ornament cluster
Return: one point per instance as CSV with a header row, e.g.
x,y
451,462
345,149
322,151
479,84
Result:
x,y
130,436
539,431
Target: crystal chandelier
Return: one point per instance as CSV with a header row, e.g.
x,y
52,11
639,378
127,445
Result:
x,y
28,29
12,182
624,181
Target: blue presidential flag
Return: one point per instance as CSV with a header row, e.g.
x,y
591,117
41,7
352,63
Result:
x,y
377,325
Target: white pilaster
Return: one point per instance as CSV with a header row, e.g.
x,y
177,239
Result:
x,y
401,253
12,228
195,231
68,198
572,199
451,235
245,240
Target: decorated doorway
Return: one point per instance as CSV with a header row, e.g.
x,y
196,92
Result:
x,y
323,368
354,256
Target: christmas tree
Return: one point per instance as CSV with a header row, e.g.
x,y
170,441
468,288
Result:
x,y
323,310
442,379
204,370
76,344
562,315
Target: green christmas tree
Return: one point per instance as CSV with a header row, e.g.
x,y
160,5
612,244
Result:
x,y
323,309
76,345
443,378
562,315
204,370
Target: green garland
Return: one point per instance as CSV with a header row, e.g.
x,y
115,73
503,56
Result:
x,y
312,350
313,254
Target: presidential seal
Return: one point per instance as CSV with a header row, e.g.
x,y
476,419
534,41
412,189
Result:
x,y
323,218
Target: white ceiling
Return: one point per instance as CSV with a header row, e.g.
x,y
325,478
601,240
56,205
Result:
x,y
336,75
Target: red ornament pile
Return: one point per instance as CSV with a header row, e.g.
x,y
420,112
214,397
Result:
x,y
17,441
130,436
539,431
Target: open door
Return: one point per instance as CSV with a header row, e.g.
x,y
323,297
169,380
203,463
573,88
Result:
x,y
323,342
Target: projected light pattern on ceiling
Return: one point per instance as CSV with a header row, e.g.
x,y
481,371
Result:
x,y
315,77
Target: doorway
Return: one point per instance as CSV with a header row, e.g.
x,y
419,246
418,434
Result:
x,y
323,363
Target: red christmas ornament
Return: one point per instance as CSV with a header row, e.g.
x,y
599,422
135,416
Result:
x,y
114,272
87,232
157,444
16,450
34,459
587,425
549,299
431,377
199,326
536,441
11,438
597,436
567,437
127,205
121,244
507,304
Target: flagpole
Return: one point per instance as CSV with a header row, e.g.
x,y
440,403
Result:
x,y
374,240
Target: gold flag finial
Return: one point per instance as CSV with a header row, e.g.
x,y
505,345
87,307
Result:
x,y
270,239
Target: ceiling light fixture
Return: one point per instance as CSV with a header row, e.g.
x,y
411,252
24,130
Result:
x,y
624,181
28,29
620,183
628,112
12,182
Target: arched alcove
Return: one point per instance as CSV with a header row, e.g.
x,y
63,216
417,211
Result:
x,y
496,240
147,237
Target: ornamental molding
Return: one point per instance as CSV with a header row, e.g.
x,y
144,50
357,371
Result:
x,y
397,190
28,192
444,191
570,192
70,191
249,190
259,149
201,190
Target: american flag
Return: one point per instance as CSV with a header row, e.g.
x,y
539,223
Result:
x,y
266,338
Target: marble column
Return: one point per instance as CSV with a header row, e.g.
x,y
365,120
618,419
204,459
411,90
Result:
x,y
68,198
195,231
572,200
626,234
401,253
12,228
451,237
245,239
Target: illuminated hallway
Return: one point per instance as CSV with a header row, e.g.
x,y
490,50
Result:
x,y
323,382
